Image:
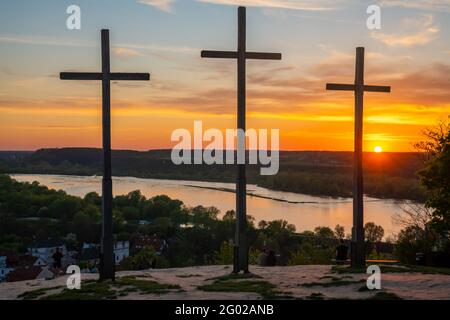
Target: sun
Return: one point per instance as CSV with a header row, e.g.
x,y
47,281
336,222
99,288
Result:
x,y
378,149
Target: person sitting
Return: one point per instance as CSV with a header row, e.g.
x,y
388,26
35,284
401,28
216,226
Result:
x,y
262,259
271,259
341,252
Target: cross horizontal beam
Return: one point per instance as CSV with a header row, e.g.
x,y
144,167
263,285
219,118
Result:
x,y
235,55
352,87
99,76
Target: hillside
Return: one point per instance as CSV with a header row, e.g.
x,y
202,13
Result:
x,y
214,283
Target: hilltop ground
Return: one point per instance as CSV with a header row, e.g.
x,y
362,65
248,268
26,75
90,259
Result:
x,y
215,282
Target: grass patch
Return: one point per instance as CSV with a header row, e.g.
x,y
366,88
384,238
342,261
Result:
x,y
393,269
383,295
236,276
316,296
34,294
89,291
263,288
112,290
334,283
144,286
333,278
364,289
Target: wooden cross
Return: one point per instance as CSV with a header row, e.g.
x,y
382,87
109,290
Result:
x,y
358,249
107,258
241,245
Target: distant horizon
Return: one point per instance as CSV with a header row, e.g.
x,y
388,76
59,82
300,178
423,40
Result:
x,y
169,149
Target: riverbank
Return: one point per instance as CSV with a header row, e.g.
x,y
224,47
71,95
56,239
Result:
x,y
305,212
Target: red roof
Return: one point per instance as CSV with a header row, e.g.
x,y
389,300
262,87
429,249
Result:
x,y
24,273
14,260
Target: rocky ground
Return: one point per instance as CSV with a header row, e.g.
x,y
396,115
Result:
x,y
215,282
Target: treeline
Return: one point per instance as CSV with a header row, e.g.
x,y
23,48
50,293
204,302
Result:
x,y
387,175
195,236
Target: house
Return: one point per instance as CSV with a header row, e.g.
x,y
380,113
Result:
x,y
45,249
30,273
149,241
90,253
3,269
121,250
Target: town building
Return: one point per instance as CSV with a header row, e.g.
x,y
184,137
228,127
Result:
x,y
121,250
45,249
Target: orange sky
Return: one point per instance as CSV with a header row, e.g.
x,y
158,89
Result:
x,y
37,110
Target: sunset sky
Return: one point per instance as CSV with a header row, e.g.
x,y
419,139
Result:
x,y
411,53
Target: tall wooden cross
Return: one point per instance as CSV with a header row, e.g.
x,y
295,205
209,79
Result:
x,y
107,259
358,249
241,244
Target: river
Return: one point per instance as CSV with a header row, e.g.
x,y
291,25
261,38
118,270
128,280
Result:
x,y
304,211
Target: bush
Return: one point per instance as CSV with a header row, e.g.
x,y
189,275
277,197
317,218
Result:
x,y
310,254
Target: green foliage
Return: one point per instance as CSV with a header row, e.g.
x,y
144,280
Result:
x,y
339,232
436,175
373,233
310,254
324,232
144,259
412,240
226,254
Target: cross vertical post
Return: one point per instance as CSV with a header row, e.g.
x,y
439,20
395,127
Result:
x,y
241,55
358,252
107,244
358,256
241,186
107,257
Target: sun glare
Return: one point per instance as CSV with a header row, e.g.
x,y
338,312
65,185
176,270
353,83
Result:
x,y
378,149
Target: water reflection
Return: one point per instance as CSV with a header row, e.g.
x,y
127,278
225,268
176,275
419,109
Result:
x,y
304,211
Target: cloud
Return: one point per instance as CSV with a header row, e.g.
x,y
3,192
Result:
x,y
44,41
311,5
164,5
436,5
124,49
417,32
126,52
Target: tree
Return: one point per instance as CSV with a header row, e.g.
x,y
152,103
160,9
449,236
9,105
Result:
x,y
226,253
324,232
339,231
373,233
435,177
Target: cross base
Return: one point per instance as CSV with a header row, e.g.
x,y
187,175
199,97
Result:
x,y
358,255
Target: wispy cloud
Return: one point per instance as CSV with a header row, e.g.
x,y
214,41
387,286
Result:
x,y
313,5
44,41
435,5
419,31
164,5
126,52
124,49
